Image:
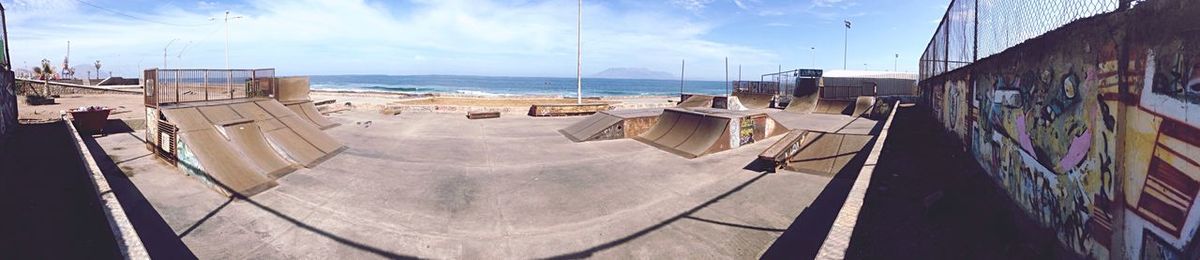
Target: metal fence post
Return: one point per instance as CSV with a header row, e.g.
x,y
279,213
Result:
x,y
205,85
176,86
229,83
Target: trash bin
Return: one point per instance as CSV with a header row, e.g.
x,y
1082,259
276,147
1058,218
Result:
x,y
90,120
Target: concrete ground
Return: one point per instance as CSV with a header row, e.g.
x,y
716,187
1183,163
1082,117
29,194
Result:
x,y
440,186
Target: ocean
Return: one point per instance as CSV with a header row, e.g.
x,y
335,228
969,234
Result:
x,y
512,86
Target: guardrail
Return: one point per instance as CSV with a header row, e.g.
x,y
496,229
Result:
x,y
171,86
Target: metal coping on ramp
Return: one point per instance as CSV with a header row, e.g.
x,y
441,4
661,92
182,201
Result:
x,y
695,132
613,124
838,239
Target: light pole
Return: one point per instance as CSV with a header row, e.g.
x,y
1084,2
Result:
x,y
164,53
813,51
896,63
579,55
846,46
227,18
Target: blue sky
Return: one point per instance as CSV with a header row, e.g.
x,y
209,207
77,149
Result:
x,y
475,37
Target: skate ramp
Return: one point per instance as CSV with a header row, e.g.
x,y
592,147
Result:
x,y
293,93
219,158
300,138
754,101
612,124
292,89
802,104
735,103
863,105
827,154
834,107
687,134
307,111
591,127
697,101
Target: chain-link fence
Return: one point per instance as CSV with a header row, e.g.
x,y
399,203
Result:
x,y
974,29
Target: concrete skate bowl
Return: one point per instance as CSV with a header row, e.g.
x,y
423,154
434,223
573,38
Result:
x,y
243,146
754,101
613,124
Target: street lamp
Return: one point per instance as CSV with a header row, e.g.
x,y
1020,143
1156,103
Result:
x,y
813,51
846,45
896,63
227,18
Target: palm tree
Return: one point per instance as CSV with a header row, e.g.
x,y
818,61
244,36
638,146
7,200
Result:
x,y
45,72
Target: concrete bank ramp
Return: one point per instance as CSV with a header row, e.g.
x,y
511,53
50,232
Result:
x,y
301,141
827,153
293,93
754,101
612,124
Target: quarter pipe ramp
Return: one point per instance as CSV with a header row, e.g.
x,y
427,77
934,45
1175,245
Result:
x,y
754,101
693,133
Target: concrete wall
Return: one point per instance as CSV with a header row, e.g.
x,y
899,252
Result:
x,y
1093,129
30,87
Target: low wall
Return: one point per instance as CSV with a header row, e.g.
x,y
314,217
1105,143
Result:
x,y
1092,129
26,87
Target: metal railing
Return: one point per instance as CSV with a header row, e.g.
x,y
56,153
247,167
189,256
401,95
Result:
x,y
974,29
171,86
756,87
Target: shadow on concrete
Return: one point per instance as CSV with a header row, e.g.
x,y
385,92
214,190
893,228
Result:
x,y
929,199
50,208
344,241
205,218
608,245
157,236
804,237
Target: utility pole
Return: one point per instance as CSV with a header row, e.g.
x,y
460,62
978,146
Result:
x,y
846,46
727,76
579,56
896,63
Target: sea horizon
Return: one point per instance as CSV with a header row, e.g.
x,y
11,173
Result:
x,y
510,85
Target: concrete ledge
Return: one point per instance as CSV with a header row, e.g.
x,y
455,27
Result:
x,y
127,238
59,88
568,109
838,239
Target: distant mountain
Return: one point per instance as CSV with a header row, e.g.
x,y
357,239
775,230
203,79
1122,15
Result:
x,y
633,73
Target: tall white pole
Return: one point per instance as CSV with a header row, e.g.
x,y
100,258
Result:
x,y
165,54
727,76
682,67
813,51
846,48
226,40
579,56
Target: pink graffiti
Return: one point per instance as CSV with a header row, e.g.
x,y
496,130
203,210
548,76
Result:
x,y
1023,136
1078,150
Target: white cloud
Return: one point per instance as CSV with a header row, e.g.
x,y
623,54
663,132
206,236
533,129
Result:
x,y
692,5
338,37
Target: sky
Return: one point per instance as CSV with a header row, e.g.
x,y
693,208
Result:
x,y
473,37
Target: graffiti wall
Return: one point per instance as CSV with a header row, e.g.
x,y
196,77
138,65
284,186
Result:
x,y
1093,129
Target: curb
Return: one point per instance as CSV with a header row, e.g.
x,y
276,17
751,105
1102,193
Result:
x,y
127,238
